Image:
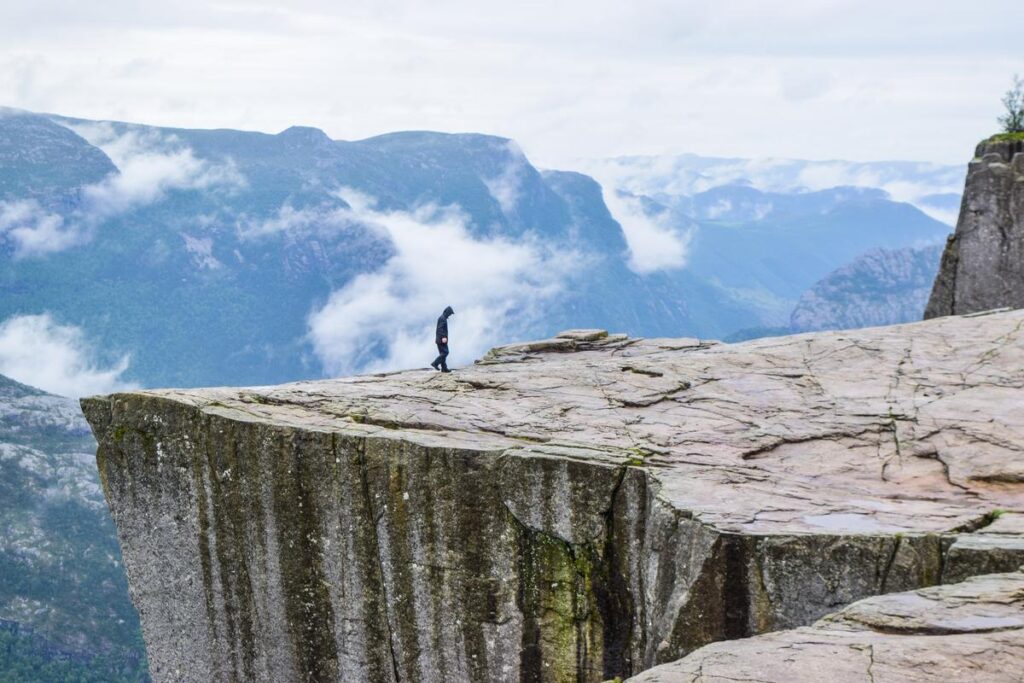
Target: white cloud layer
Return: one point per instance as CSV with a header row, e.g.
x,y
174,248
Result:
x,y
507,186
689,174
385,320
654,244
314,219
149,166
35,231
866,79
36,350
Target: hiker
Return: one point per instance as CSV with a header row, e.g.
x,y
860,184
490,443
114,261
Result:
x,y
441,339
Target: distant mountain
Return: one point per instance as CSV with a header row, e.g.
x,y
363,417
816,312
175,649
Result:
x,y
768,229
206,254
765,249
232,257
927,186
882,287
65,613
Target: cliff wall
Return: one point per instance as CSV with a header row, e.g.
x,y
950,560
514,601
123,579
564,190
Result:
x,y
567,510
983,264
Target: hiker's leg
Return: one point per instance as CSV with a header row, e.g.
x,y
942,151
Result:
x,y
444,357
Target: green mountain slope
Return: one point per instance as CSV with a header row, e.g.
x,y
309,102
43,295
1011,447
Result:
x,y
65,614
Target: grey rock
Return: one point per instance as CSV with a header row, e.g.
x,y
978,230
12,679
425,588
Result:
x,y
996,547
971,632
983,263
583,335
575,510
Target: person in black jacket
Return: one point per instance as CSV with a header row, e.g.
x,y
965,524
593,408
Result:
x,y
441,339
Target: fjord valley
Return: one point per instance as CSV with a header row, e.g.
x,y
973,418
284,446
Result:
x,y
224,258
268,247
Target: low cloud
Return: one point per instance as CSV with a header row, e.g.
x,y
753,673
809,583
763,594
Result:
x,y
686,175
201,251
34,231
149,166
309,220
654,244
36,350
507,186
385,319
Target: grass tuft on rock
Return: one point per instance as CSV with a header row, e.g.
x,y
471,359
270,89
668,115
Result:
x,y
1006,137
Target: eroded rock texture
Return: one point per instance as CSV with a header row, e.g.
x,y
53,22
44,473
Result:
x,y
983,265
971,632
567,510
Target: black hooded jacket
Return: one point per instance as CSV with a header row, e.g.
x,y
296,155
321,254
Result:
x,y
442,325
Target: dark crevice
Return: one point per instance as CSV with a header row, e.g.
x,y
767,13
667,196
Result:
x,y
934,629
735,589
979,523
614,600
888,565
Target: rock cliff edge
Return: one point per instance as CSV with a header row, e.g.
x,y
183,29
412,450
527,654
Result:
x,y
568,510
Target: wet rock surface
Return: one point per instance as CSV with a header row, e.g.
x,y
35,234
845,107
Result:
x,y
576,509
982,266
970,632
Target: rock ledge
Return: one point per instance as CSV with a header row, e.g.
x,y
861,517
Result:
x,y
578,509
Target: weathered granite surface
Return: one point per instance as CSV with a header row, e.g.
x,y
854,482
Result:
x,y
572,509
983,265
971,632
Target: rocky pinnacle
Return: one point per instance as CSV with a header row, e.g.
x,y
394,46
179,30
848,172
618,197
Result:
x,y
982,266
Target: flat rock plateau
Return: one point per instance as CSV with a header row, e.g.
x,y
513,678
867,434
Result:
x,y
576,509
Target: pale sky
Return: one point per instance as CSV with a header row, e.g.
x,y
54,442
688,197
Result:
x,y
850,79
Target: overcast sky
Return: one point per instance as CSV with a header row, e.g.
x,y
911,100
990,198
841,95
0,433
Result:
x,y
852,79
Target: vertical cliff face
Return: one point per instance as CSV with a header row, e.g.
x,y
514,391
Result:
x,y
983,265
568,510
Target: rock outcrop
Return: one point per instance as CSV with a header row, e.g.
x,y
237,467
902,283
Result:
x,y
569,510
967,632
983,265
